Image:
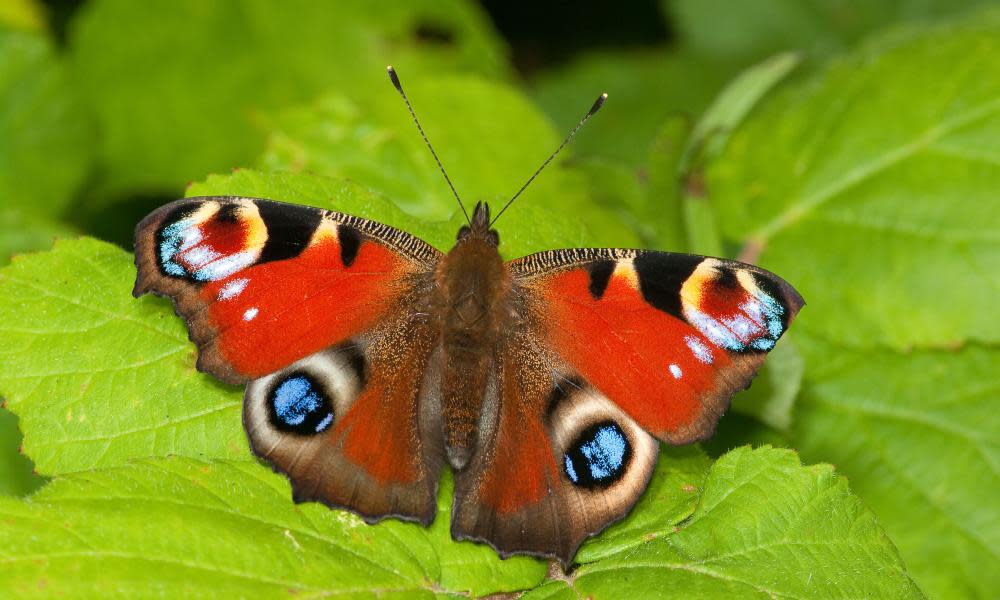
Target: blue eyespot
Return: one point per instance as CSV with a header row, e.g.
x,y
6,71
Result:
x,y
297,404
598,457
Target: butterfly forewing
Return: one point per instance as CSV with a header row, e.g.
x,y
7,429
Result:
x,y
668,337
263,284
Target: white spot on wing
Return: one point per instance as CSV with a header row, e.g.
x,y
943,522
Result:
x,y
699,349
675,371
233,288
250,314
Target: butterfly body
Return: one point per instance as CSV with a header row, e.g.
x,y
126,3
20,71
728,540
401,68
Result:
x,y
474,303
372,360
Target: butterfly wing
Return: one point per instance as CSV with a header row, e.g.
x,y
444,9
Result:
x,y
622,346
357,425
324,316
668,337
263,284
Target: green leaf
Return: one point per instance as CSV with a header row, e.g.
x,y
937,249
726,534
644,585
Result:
x,y
671,497
644,89
184,527
870,188
490,140
919,436
180,87
732,105
766,527
98,377
750,30
44,136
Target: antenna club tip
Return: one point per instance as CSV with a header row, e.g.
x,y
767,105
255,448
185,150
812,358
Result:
x,y
597,104
394,78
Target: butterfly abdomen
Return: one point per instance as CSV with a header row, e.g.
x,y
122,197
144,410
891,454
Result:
x,y
474,285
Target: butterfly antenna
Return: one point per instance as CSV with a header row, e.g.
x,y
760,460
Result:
x,y
593,110
399,88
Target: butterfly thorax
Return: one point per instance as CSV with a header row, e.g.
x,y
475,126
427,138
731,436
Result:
x,y
473,284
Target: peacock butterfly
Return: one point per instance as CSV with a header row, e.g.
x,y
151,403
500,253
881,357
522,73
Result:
x,y
371,359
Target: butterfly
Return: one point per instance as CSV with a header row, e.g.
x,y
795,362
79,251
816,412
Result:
x,y
372,360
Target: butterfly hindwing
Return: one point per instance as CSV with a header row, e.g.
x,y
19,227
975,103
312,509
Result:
x,y
263,284
356,426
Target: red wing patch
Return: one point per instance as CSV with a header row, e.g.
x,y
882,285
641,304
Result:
x,y
270,315
523,450
378,437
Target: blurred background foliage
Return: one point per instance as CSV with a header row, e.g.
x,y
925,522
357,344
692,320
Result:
x,y
851,146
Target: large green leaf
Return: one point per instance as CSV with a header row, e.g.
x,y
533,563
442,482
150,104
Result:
x,y
223,528
871,189
181,86
220,529
919,435
98,377
489,138
765,527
